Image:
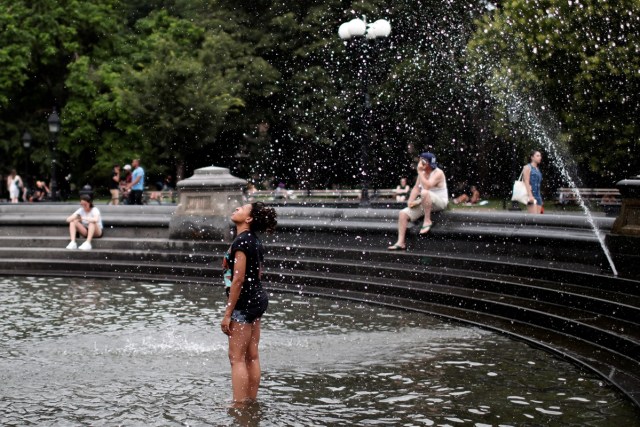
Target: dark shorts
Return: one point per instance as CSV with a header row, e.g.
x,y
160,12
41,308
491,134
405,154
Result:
x,y
135,197
252,312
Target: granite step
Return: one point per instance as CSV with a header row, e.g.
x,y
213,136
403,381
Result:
x,y
617,369
622,336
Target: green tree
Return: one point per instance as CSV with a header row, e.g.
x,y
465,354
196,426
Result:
x,y
415,78
579,59
183,83
14,51
56,39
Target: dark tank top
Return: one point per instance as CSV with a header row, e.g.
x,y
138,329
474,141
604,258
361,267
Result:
x,y
252,292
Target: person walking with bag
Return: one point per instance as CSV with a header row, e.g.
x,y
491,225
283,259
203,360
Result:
x,y
532,178
247,301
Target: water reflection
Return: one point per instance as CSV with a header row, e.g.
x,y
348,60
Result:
x,y
114,352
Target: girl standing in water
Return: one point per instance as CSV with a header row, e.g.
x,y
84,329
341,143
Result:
x,y
246,299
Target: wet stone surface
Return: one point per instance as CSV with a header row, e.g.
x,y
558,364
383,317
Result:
x,y
112,352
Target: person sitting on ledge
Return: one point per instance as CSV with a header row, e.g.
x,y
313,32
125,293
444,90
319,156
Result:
x,y
429,194
402,190
464,198
40,193
87,222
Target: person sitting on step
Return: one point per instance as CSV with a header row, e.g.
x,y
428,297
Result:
x,y
429,194
464,198
87,222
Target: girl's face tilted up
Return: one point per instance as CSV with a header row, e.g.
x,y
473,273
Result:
x,y
241,214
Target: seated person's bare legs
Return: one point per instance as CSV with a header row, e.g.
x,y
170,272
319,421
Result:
x,y
403,222
427,204
461,199
89,233
93,231
74,229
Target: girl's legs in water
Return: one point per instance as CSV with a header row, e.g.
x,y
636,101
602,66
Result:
x,y
245,360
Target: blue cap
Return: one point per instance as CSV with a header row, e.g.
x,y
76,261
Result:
x,y
430,158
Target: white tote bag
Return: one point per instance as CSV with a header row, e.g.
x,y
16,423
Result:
x,y
520,191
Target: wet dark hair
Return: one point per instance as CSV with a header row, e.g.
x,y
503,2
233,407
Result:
x,y
264,218
87,198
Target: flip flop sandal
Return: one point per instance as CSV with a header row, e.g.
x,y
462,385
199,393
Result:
x,y
397,248
425,229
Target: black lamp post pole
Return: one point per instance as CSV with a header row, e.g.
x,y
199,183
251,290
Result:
x,y
359,29
54,180
54,128
365,135
26,165
513,119
26,143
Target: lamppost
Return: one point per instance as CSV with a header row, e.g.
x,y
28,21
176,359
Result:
x,y
54,129
26,143
363,32
514,118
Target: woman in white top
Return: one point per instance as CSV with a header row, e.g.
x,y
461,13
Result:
x,y
87,222
14,183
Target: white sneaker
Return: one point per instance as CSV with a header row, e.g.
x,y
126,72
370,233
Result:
x,y
72,245
86,246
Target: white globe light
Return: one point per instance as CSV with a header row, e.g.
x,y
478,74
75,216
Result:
x,y
343,31
357,27
382,28
372,32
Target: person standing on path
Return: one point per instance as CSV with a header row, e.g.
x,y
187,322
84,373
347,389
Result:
x,y
246,299
14,186
532,178
137,183
114,185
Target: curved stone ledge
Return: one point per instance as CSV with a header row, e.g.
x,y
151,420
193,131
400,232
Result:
x,y
563,238
126,215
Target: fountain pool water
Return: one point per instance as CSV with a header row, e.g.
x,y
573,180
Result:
x,y
115,352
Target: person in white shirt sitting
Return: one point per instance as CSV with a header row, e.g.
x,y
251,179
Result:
x,y
429,194
87,222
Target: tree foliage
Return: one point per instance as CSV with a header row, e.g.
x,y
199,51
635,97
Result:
x,y
579,60
269,90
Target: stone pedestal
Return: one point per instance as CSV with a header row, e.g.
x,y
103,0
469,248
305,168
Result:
x,y
205,203
624,240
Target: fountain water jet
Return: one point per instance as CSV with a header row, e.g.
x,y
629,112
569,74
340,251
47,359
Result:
x,y
533,125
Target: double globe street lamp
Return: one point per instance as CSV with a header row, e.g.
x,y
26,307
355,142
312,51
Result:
x,y
359,30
